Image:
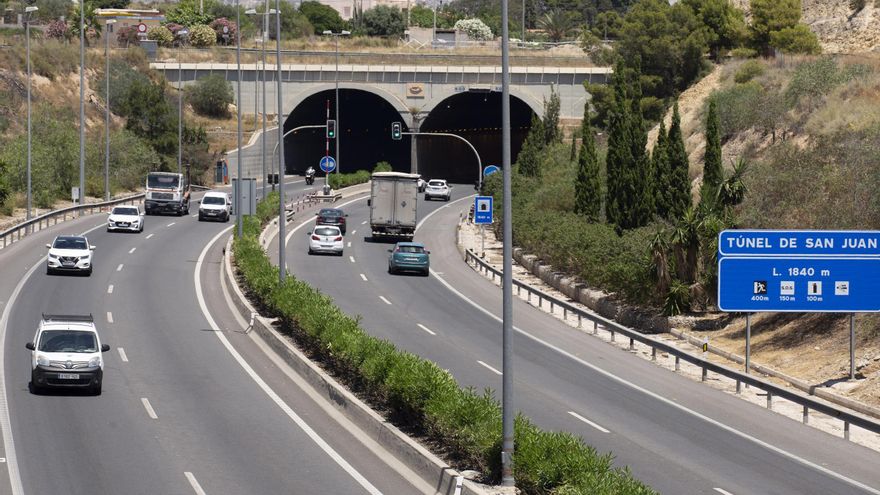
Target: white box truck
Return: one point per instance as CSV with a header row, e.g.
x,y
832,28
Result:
x,y
393,199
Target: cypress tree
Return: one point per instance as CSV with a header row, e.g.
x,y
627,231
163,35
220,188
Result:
x,y
529,159
588,201
619,155
713,173
574,149
679,180
660,160
552,134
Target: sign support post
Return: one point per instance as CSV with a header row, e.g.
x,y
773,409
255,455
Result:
x,y
852,346
748,342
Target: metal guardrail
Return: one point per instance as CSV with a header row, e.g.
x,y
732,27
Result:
x,y
16,232
808,403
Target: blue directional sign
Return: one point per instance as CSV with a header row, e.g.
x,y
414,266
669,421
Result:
x,y
847,285
483,210
800,270
819,243
491,169
327,164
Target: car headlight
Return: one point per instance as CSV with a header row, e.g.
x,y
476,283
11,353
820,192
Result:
x,y
42,360
52,256
95,362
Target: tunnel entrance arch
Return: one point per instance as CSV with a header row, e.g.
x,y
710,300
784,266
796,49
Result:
x,y
475,116
364,130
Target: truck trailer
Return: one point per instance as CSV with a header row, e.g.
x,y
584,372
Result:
x,y
393,199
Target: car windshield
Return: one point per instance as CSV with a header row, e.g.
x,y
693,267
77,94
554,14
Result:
x,y
213,200
162,181
68,341
436,183
326,231
70,243
125,211
411,249
330,213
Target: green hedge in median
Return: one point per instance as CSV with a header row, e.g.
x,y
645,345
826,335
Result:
x,y
419,396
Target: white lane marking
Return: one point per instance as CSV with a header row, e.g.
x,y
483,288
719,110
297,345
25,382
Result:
x,y
151,235
364,277
587,421
122,355
423,327
722,492
193,216
320,442
429,215
170,224
351,258
309,222
364,222
386,301
150,412
132,250
660,398
119,268
109,317
11,458
110,289
493,370
349,243
353,232
194,483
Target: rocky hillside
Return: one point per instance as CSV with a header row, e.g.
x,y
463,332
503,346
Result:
x,y
840,30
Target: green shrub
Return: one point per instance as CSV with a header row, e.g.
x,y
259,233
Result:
x,y
383,167
813,80
338,181
162,35
201,36
747,106
652,108
748,71
743,53
211,96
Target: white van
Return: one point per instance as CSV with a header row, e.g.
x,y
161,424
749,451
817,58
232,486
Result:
x,y
215,205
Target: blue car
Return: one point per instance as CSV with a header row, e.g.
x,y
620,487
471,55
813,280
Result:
x,y
409,256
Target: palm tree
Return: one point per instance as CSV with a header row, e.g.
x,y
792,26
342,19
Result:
x,y
557,24
733,188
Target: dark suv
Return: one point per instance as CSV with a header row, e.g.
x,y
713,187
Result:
x,y
332,216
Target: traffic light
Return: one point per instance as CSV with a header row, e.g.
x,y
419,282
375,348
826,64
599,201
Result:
x,y
331,129
395,131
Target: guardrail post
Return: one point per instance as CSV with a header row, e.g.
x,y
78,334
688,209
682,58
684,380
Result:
x,y
738,387
612,334
551,306
540,301
846,430
632,344
529,296
580,321
806,415
565,314
677,363
518,289
769,400
653,354
595,328
705,373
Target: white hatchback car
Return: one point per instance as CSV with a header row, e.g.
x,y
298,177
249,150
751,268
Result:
x,y
71,253
129,218
66,352
215,205
326,239
438,188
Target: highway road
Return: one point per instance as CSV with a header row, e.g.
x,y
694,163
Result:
x,y
190,403
677,435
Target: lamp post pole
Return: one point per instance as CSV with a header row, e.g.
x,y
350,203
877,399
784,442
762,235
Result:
x,y
336,77
82,104
282,214
27,35
109,23
263,77
181,35
507,420
239,195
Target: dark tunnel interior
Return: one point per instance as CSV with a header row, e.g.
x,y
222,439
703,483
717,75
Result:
x,y
365,132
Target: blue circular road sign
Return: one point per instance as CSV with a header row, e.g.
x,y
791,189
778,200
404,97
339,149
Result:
x,y
491,169
328,164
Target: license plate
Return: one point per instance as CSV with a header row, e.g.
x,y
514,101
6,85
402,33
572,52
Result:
x,y
67,263
412,260
68,376
327,245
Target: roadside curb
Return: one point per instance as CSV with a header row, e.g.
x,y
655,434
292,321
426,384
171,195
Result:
x,y
428,466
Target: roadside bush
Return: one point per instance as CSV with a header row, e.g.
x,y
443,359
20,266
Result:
x,y
813,80
211,96
201,36
383,167
53,58
748,71
162,35
738,107
384,20
231,29
743,53
420,395
58,30
652,108
475,29
338,181
127,36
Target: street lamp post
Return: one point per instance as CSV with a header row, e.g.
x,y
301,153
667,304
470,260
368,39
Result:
x,y
507,420
239,195
109,23
336,77
263,78
182,34
282,214
27,36
82,103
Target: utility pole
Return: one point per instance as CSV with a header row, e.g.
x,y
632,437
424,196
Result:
x,y
507,446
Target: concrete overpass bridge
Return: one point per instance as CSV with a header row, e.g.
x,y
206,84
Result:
x,y
464,100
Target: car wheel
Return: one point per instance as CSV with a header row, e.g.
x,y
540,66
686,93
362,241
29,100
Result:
x,y
226,218
311,252
89,272
35,389
96,389
201,218
426,273
427,197
49,271
390,270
